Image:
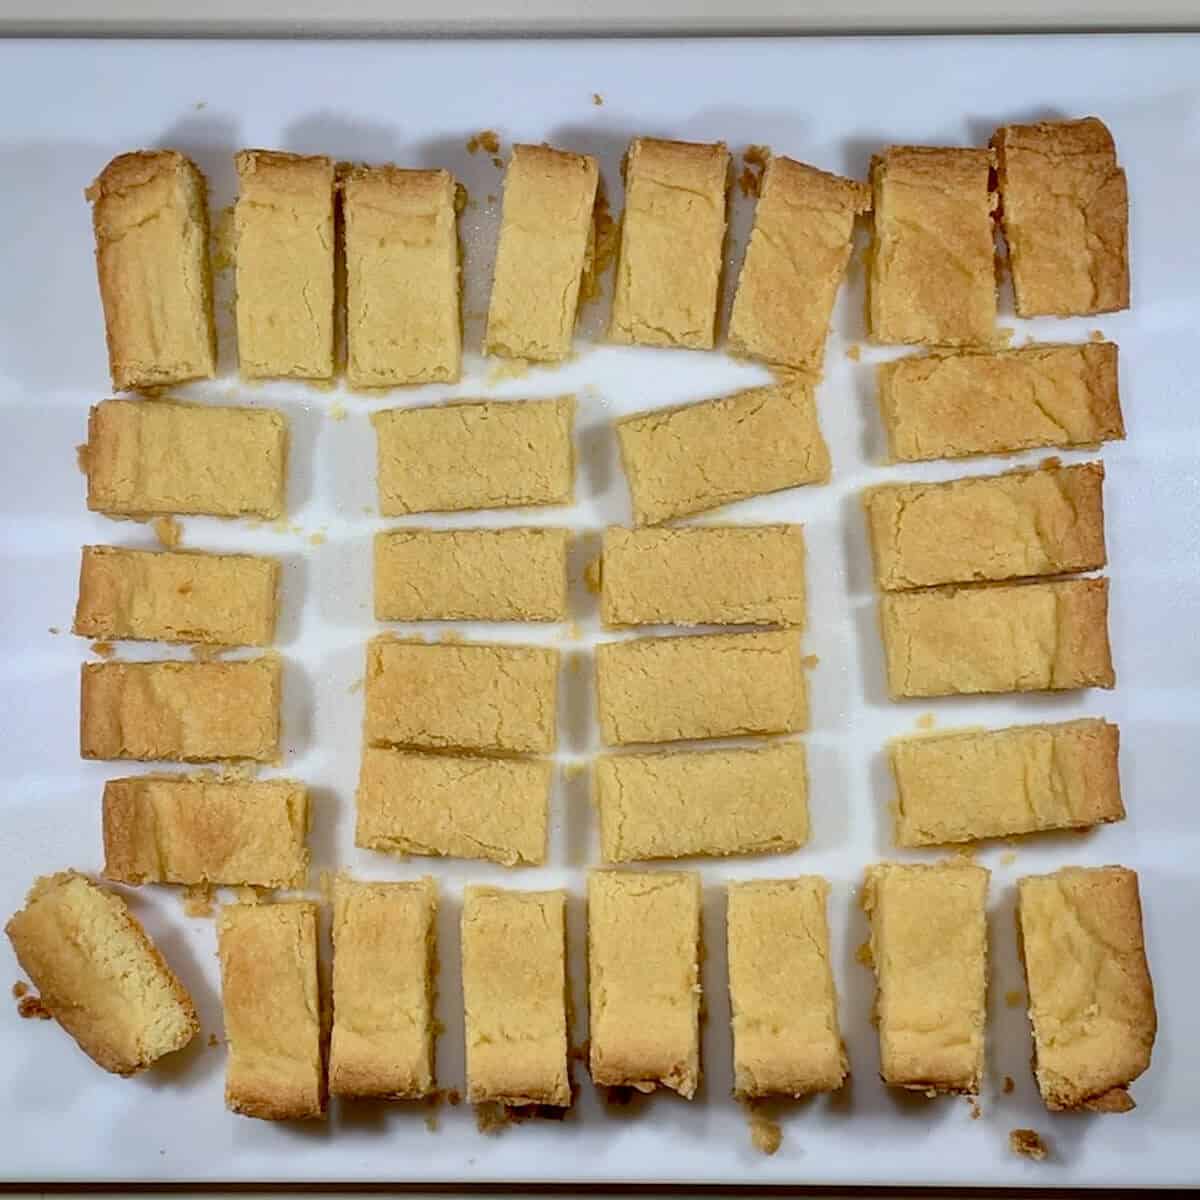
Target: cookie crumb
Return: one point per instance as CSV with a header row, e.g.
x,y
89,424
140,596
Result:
x,y
431,1122
765,1133
19,989
31,1008
1097,335
863,955
317,539
1052,463
1028,1143
1008,1087
973,1104
926,721
453,1097
491,1119
54,629
754,163
854,352
198,900
104,649
1005,335
204,652
168,531
485,139
498,163
966,850
1014,999
809,661
597,99
337,411
1008,858
251,895
81,457
222,240
212,1041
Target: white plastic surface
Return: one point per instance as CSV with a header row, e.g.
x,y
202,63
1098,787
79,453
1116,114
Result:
x,y
69,106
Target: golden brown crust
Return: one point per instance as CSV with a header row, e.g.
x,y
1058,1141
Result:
x,y
182,596
671,689
1045,521
515,996
786,1039
964,785
384,939
955,405
545,237
1091,1000
150,216
270,997
644,947
795,260
685,460
402,277
99,975
931,272
180,711
167,457
669,268
997,638
1065,212
169,829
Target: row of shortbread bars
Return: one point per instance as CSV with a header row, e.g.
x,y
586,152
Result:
x,y
931,280
1091,1001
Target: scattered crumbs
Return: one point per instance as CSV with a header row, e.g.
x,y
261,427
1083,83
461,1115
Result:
x,y
1008,858
1052,463
485,139
81,457
461,198
1008,1085
1005,335
453,1097
748,182
1097,335
579,1053
168,531
104,649
1028,1143
757,156
809,661
20,988
498,163
198,900
355,687
491,1118
31,1008
337,411
854,352
863,955
597,99
965,850
926,721
513,368
1014,999
285,527
235,772
591,577
325,885
973,1104
431,1122
212,1041
251,895
765,1134
606,237
54,629
223,240
317,539
203,652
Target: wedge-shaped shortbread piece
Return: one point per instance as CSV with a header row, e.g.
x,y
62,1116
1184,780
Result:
x,y
929,949
475,454
786,1039
99,975
1090,996
700,456
545,246
1065,212
669,268
403,323
514,964
272,1006
644,949
169,829
384,979
150,214
795,260
437,804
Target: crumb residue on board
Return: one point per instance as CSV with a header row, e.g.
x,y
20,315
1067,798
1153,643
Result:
x,y
317,539
754,163
461,199
765,1133
168,531
104,649
1005,335
926,721
973,1105
212,1041
204,652
19,989
854,352
337,411
1097,335
597,99
198,900
31,1008
492,1118
251,895
1009,1085
1014,999
431,1122
485,139
1008,858
223,240
453,1097
965,850
1028,1143
863,955
809,661
81,457
606,237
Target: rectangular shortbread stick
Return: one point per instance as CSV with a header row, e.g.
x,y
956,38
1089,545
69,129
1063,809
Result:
x,y
644,980
271,1001
499,699
710,802
990,527
696,457
957,405
475,454
146,457
180,711
285,243
517,574
182,596
545,245
384,972
403,324
150,216
515,996
929,949
440,805
786,1039
703,575
718,685
1031,637
965,785
669,267
169,829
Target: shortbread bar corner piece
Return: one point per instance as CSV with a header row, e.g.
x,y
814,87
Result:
x,y
403,324
475,454
644,949
672,236
170,829
545,246
685,460
966,785
283,224
931,270
384,973
795,261
271,1001
1031,637
162,456
1046,521
515,996
184,596
150,216
929,950
1065,213
709,802
1091,1000
786,1039
99,975
956,405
